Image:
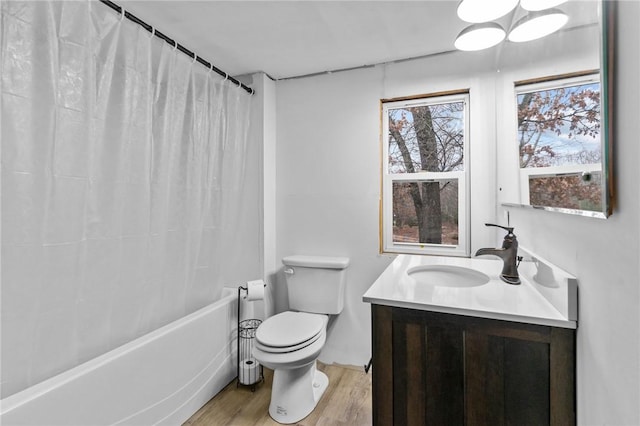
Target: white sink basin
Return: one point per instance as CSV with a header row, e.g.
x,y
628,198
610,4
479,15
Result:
x,y
448,276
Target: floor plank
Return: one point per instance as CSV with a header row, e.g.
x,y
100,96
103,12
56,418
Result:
x,y
347,401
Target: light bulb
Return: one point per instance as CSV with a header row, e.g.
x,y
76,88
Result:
x,y
536,25
479,36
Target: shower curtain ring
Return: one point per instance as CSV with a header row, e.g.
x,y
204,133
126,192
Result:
x,y
122,13
153,32
195,57
175,45
226,77
210,67
239,85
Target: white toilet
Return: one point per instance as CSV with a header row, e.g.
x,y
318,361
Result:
x,y
290,342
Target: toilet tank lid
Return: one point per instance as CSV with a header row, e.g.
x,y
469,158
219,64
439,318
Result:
x,y
329,262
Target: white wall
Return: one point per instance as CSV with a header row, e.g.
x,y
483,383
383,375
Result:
x,y
605,256
328,172
263,207
327,190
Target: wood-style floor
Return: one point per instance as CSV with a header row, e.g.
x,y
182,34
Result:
x,y
347,401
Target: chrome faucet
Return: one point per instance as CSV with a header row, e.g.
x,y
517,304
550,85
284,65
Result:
x,y
508,253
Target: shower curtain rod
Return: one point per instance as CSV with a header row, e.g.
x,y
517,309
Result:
x,y
175,44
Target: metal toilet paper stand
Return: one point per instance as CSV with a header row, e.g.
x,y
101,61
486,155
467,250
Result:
x,y
248,369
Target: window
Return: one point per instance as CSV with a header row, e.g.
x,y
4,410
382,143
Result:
x,y
559,143
425,175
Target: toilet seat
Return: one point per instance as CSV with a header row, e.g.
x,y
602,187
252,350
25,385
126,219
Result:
x,y
289,331
292,359
285,349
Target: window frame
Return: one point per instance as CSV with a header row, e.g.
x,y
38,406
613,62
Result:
x,y
387,245
556,82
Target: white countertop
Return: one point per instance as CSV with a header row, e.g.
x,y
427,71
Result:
x,y
552,302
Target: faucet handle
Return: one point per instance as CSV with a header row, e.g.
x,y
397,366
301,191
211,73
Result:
x,y
509,229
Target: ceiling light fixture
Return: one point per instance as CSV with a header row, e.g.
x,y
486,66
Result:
x,y
536,25
478,11
479,36
536,5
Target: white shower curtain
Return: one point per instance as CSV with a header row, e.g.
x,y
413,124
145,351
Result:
x,y
122,159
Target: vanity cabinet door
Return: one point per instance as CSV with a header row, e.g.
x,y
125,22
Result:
x,y
442,369
507,377
418,369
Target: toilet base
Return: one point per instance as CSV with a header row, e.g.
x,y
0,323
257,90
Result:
x,y
296,392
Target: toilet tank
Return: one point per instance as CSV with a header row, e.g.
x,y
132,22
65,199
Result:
x,y
316,283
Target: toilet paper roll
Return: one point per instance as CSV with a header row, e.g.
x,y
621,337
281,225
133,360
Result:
x,y
249,371
255,290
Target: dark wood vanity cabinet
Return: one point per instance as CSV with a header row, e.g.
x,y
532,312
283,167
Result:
x,y
442,369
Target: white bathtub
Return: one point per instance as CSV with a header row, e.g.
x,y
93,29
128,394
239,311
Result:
x,y
160,378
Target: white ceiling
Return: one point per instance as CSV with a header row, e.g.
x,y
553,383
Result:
x,y
293,38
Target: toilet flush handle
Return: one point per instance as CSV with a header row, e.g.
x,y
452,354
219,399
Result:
x,y
288,271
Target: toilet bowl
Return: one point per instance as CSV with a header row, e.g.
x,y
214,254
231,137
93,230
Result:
x,y
289,343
